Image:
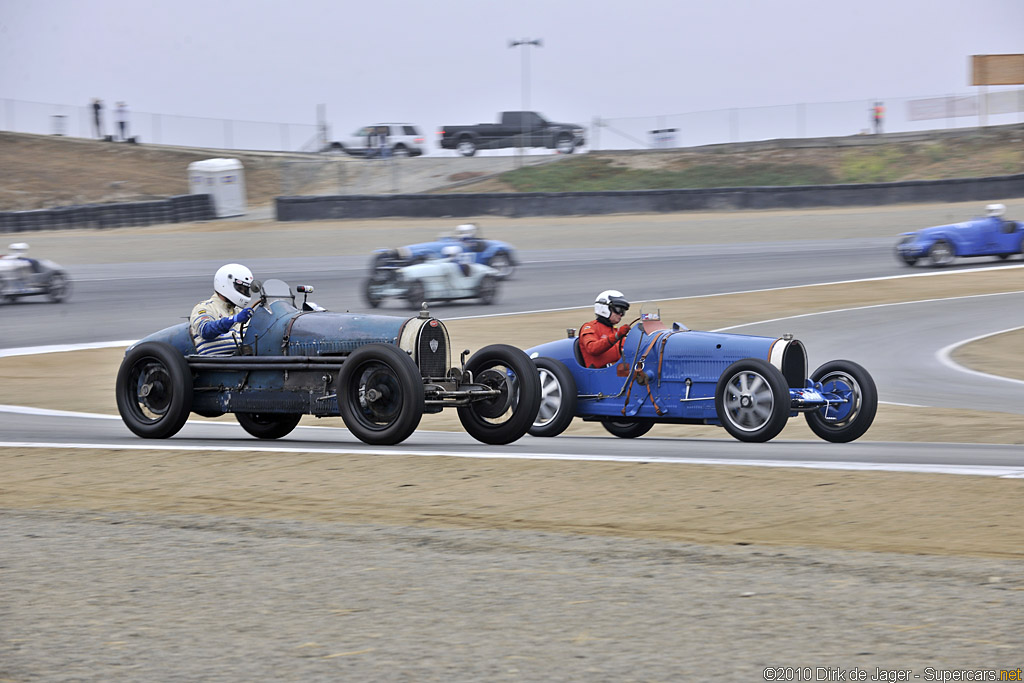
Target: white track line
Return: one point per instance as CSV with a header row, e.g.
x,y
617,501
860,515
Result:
x,y
975,470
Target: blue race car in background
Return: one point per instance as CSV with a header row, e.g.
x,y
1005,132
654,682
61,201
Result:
x,y
749,385
992,235
379,373
498,255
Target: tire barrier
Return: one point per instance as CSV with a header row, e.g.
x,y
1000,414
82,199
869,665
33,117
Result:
x,y
526,204
184,208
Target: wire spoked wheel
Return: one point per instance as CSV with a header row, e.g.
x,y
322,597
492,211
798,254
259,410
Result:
x,y
381,394
154,390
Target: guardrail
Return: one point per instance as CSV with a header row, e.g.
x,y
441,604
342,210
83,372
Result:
x,y
184,208
338,207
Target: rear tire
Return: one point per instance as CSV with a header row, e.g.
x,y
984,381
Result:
x,y
557,398
268,425
488,290
466,146
626,429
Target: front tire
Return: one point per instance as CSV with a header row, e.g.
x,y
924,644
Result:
x,y
58,288
268,425
557,398
565,144
941,253
371,292
502,263
752,400
850,420
154,390
380,394
626,429
415,294
507,416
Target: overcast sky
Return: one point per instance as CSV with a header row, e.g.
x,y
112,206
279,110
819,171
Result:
x,y
448,61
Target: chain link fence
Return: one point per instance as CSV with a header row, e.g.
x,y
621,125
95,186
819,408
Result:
x,y
808,120
690,129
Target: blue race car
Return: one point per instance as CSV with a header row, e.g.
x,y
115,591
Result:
x,y
674,375
498,255
991,235
379,373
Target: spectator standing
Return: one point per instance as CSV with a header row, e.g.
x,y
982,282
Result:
x,y
122,121
97,117
877,114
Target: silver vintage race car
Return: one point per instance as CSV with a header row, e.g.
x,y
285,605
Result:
x,y
23,276
439,279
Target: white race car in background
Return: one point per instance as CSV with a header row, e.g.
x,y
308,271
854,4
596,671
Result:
x,y
445,279
23,276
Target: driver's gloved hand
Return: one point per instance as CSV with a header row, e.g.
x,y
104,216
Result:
x,y
215,328
622,332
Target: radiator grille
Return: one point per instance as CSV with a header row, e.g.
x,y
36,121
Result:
x,y
432,351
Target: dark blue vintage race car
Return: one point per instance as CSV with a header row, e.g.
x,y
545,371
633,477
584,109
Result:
x,y
498,255
749,385
379,373
992,235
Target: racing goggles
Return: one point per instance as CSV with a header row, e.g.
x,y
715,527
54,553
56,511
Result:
x,y
242,287
616,308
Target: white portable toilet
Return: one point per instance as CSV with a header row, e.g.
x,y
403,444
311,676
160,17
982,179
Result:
x,y
224,180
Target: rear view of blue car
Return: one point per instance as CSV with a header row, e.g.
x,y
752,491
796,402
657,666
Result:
x,y
991,235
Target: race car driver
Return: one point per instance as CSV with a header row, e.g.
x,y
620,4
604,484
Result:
x,y
216,324
600,342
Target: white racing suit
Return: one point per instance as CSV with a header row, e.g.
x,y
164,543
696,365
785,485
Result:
x,y
212,310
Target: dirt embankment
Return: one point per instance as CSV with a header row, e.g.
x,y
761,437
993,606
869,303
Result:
x,y
53,171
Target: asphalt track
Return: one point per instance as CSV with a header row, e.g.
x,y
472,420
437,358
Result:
x,y
902,345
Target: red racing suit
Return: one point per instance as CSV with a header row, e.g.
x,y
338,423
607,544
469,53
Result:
x,y
601,344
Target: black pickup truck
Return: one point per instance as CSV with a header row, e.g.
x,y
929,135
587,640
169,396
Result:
x,y
516,129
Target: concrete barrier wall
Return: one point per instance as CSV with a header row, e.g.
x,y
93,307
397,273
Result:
x,y
183,208
646,201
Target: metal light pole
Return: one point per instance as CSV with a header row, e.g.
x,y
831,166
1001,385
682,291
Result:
x,y
526,42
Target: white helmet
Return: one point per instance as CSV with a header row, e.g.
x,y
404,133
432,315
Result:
x,y
451,250
233,282
466,230
18,248
608,300
995,209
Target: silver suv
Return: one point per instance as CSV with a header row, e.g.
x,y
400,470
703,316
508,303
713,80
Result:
x,y
399,139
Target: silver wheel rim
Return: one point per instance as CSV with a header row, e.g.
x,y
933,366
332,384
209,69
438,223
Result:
x,y
550,398
502,264
400,152
942,254
748,401
465,147
564,145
